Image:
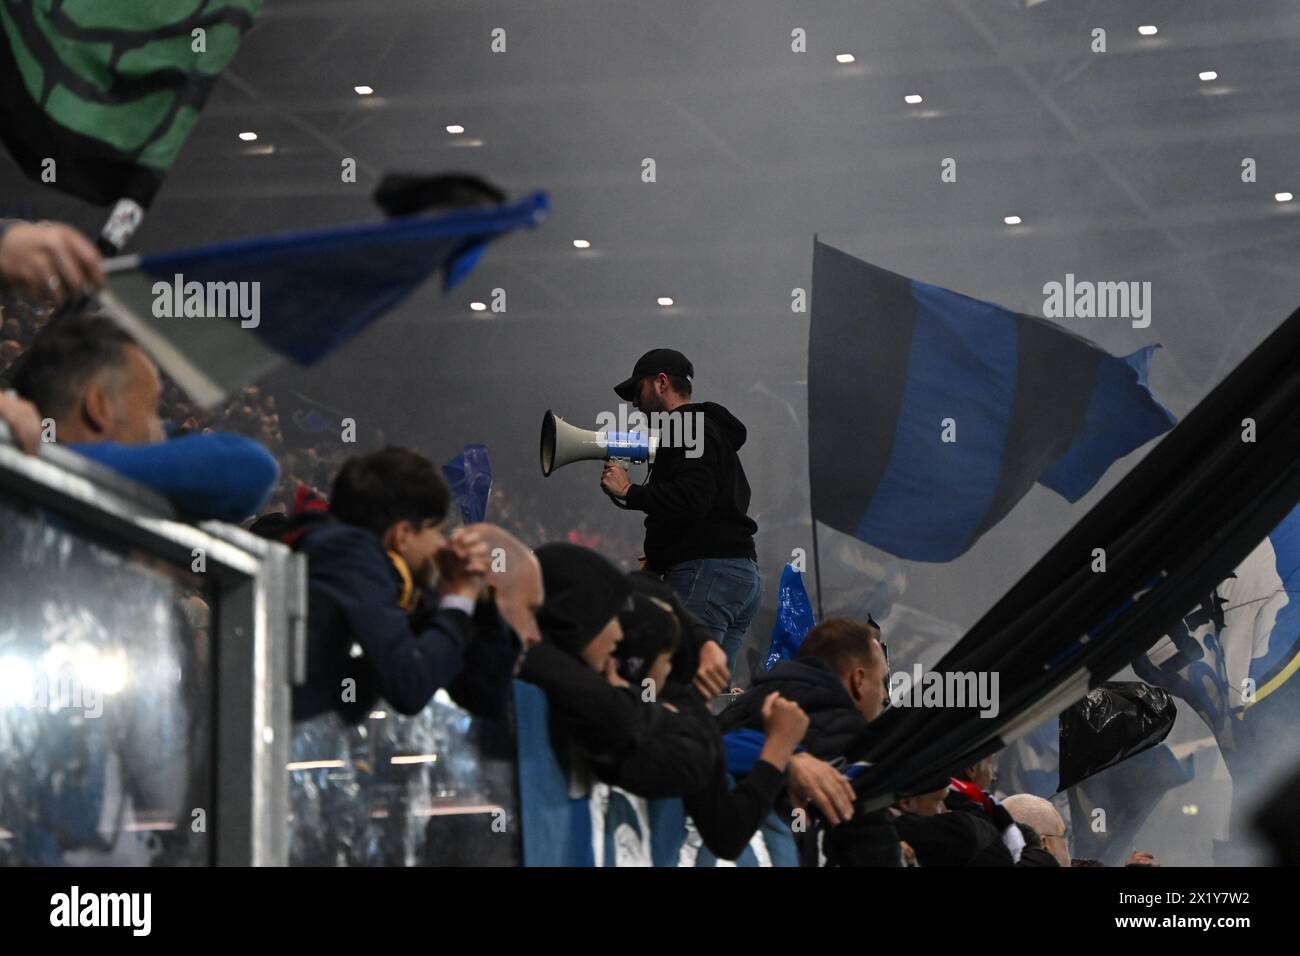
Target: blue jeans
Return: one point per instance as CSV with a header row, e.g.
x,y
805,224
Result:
x,y
724,593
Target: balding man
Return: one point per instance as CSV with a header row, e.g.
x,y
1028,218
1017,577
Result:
x,y
1046,821
515,577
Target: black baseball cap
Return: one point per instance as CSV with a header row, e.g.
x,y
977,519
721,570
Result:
x,y
668,361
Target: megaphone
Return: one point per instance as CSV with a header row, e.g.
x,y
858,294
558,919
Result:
x,y
563,444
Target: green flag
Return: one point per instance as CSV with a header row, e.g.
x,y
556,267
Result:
x,y
96,98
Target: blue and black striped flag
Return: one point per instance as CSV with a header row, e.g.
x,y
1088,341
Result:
x,y
930,413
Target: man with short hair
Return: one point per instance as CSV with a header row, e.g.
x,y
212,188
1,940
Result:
x,y
838,678
376,627
698,534
101,392
89,376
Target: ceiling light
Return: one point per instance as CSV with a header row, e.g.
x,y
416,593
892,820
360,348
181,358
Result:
x,y
1148,31
581,244
1011,220
364,90
455,130
1283,197
912,98
665,301
844,58
477,306
1207,76
248,137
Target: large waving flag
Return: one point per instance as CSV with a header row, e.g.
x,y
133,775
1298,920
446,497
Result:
x,y
97,99
931,414
219,317
1233,657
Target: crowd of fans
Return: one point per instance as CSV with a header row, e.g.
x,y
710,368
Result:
x,y
400,608
310,461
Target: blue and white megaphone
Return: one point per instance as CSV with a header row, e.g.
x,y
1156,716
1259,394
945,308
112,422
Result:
x,y
563,443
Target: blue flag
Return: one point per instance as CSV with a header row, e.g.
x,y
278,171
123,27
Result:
x,y
470,476
794,618
219,317
931,414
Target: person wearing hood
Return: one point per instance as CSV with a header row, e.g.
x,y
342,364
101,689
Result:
x,y
698,534
607,649
726,817
592,720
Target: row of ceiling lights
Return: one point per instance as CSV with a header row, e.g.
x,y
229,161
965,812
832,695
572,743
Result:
x,y
911,99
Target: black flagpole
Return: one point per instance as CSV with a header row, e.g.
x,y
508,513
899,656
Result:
x,y
817,557
817,571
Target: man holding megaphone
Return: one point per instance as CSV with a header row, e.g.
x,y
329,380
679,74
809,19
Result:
x,y
698,535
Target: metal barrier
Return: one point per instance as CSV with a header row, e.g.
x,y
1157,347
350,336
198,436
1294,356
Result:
x,y
146,667
144,674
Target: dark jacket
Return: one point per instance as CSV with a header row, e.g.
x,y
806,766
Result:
x,y
833,719
603,721
697,507
953,839
353,592
726,817
834,722
649,750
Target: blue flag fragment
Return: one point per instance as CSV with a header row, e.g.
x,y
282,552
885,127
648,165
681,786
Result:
x,y
470,476
794,618
931,413
219,317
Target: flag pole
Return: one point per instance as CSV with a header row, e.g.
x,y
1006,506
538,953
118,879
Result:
x,y
817,569
817,556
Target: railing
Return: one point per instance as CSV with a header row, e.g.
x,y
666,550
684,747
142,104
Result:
x,y
146,667
145,670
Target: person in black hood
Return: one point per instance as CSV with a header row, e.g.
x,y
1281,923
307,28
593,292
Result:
x,y
609,643
698,534
725,817
591,719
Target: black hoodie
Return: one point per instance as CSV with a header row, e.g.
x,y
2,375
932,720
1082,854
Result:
x,y
696,507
